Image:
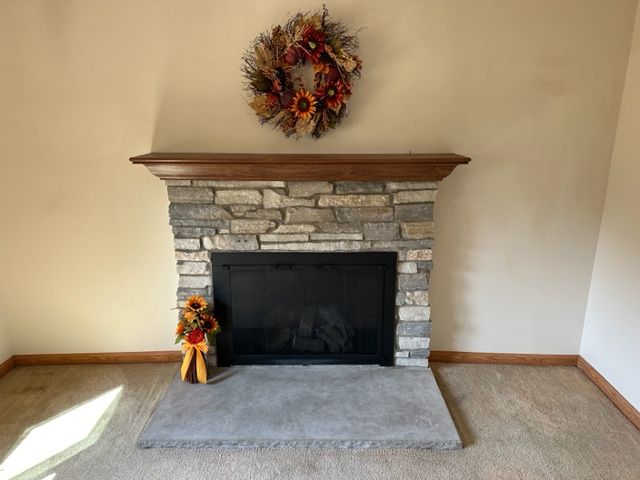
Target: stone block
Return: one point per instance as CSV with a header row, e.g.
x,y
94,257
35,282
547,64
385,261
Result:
x,y
420,353
414,314
193,256
190,194
414,213
231,242
403,245
184,293
239,210
412,362
413,329
414,230
418,297
399,354
414,196
177,183
264,214
238,197
353,200
295,228
336,236
194,232
342,246
412,281
251,226
199,222
308,215
407,267
365,214
198,211
395,186
424,267
284,237
309,189
273,199
359,187
423,254
340,227
194,281
186,243
238,184
413,343
192,268
380,231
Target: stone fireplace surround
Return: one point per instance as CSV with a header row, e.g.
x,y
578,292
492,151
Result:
x,y
218,202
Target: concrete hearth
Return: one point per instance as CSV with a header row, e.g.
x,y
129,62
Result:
x,y
334,406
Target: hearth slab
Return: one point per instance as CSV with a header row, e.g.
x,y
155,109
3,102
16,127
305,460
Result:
x,y
336,406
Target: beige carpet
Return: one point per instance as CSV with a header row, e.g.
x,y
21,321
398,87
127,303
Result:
x,y
516,423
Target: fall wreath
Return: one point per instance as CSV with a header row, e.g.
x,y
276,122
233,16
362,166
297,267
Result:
x,y
273,71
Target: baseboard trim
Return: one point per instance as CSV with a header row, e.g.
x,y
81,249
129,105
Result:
x,y
443,356
610,392
436,356
7,366
166,356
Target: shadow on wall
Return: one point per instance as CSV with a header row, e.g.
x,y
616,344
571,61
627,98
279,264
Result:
x,y
452,258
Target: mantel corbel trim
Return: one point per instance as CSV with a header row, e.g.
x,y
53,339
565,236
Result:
x,y
301,167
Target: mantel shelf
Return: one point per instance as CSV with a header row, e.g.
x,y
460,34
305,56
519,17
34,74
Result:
x,y
332,167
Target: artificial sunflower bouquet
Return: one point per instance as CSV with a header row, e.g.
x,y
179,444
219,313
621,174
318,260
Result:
x,y
197,327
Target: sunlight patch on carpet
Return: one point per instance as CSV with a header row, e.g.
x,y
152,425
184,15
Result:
x,y
56,435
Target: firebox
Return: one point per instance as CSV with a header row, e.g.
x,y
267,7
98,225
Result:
x,y
305,308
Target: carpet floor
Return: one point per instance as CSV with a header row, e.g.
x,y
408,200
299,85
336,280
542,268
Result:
x,y
82,422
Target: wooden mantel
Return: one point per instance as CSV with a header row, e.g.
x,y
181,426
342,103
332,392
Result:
x,y
272,166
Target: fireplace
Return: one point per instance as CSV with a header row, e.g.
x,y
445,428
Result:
x,y
267,220
289,308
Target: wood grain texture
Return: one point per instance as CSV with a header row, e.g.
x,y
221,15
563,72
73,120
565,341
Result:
x,y
609,390
259,166
443,356
97,358
7,366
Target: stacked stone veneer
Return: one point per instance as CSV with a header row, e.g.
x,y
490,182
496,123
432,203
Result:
x,y
209,215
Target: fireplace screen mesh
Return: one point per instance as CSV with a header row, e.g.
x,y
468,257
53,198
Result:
x,y
303,308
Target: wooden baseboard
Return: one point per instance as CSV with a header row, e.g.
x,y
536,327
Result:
x,y
443,356
7,366
436,356
611,393
97,358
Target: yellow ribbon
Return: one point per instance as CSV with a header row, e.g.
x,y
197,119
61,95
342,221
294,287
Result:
x,y
197,349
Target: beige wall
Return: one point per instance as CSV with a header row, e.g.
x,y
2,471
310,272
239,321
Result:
x,y
5,344
529,89
611,336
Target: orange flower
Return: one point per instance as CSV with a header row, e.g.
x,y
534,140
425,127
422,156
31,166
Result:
x,y
321,67
180,329
188,315
196,303
332,94
303,105
209,323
